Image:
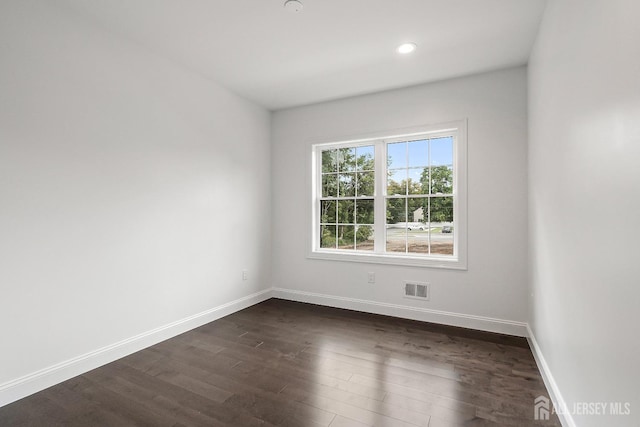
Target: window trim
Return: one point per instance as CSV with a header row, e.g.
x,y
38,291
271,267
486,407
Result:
x,y
379,140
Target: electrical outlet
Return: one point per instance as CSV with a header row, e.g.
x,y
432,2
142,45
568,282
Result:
x,y
371,277
245,275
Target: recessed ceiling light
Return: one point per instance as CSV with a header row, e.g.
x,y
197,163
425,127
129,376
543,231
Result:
x,y
293,5
405,48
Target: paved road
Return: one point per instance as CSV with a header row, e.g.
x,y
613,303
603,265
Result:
x,y
418,235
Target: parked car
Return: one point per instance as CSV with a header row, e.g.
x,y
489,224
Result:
x,y
446,229
416,227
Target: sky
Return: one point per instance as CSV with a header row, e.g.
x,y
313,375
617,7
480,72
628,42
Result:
x,y
418,153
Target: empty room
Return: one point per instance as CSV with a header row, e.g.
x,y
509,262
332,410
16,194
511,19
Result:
x,y
417,213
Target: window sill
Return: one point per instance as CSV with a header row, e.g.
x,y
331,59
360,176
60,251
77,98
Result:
x,y
405,260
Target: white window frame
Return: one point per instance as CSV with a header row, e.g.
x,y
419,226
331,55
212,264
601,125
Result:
x,y
458,130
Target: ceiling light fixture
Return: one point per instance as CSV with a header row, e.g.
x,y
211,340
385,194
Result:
x,y
405,48
293,5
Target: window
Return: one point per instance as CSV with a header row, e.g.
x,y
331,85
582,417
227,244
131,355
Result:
x,y
392,199
347,201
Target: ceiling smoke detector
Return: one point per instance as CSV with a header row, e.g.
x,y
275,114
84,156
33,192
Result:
x,y
293,5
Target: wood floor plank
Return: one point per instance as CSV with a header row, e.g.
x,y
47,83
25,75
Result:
x,y
388,358
281,363
364,416
340,421
447,409
355,403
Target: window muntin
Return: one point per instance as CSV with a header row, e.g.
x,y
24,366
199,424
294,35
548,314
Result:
x,y
415,190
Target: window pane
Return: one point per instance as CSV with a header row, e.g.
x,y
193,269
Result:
x,y
397,155
328,211
329,163
364,209
418,228
347,185
346,210
417,242
418,182
397,183
442,209
330,185
327,236
418,209
346,160
396,225
441,180
365,158
346,237
366,183
396,211
419,153
442,225
364,238
442,151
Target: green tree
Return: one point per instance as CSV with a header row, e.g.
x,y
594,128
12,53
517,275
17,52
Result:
x,y
441,209
438,209
441,179
396,208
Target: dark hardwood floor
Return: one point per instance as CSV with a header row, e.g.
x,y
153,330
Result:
x,y
281,363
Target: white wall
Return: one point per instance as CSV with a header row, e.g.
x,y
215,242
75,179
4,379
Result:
x,y
495,284
584,185
132,192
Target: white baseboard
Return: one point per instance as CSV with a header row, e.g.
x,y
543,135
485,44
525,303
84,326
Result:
x,y
552,387
481,323
24,386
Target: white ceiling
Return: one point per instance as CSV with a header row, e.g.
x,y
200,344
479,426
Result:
x,y
332,49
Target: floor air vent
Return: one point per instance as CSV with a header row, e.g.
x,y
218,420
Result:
x,y
416,290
